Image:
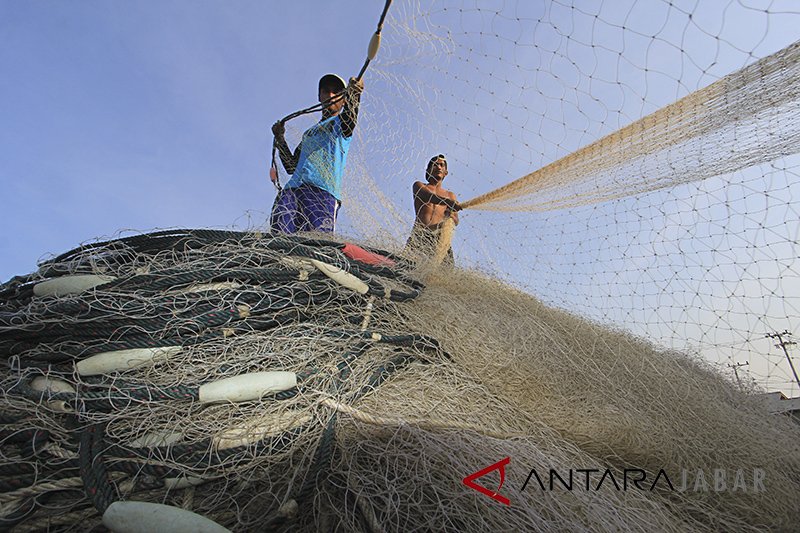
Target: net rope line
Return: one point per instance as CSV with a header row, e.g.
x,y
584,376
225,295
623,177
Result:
x,y
429,423
17,496
714,130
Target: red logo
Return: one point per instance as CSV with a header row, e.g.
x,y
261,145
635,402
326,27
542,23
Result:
x,y
469,481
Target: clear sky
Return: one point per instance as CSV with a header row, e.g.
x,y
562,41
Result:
x,y
137,115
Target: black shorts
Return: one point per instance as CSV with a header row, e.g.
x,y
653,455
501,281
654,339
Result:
x,y
422,243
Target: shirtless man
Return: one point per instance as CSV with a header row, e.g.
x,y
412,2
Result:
x,y
433,204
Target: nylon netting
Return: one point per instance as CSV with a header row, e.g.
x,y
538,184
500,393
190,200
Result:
x,y
638,160
629,242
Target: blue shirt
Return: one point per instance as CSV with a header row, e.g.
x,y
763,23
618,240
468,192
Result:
x,y
323,154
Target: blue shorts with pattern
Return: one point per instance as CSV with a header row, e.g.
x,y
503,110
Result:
x,y
304,208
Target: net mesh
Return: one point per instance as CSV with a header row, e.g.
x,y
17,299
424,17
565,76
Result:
x,y
399,390
631,162
628,246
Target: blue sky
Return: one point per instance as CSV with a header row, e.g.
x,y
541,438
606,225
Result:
x,y
136,115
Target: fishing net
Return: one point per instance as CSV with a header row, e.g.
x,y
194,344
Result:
x,y
631,162
632,229
396,390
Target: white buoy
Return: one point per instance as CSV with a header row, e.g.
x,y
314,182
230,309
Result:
x,y
74,284
120,360
145,517
46,383
374,46
53,385
341,277
247,386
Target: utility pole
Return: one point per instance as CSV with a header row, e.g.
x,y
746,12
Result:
x,y
783,344
736,370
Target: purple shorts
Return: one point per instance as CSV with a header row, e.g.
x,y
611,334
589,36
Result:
x,y
304,208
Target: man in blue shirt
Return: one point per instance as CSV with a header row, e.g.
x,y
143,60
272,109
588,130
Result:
x,y
311,199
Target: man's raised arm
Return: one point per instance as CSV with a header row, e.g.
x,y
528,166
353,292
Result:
x,y
352,99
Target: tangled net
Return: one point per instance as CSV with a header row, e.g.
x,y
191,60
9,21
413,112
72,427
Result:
x,y
632,162
382,395
635,163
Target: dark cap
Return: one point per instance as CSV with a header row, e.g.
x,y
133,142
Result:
x,y
333,81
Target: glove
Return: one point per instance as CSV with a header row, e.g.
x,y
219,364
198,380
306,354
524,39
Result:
x,y
278,129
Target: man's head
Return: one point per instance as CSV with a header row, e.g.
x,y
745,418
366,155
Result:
x,y
436,170
330,85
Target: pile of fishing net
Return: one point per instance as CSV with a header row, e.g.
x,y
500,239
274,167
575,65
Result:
x,y
256,382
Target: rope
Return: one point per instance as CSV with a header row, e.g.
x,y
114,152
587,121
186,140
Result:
x,y
40,488
592,174
431,424
49,522
96,481
373,49
325,447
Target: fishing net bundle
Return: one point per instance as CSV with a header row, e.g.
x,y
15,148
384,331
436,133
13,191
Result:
x,y
402,389
188,308
658,236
